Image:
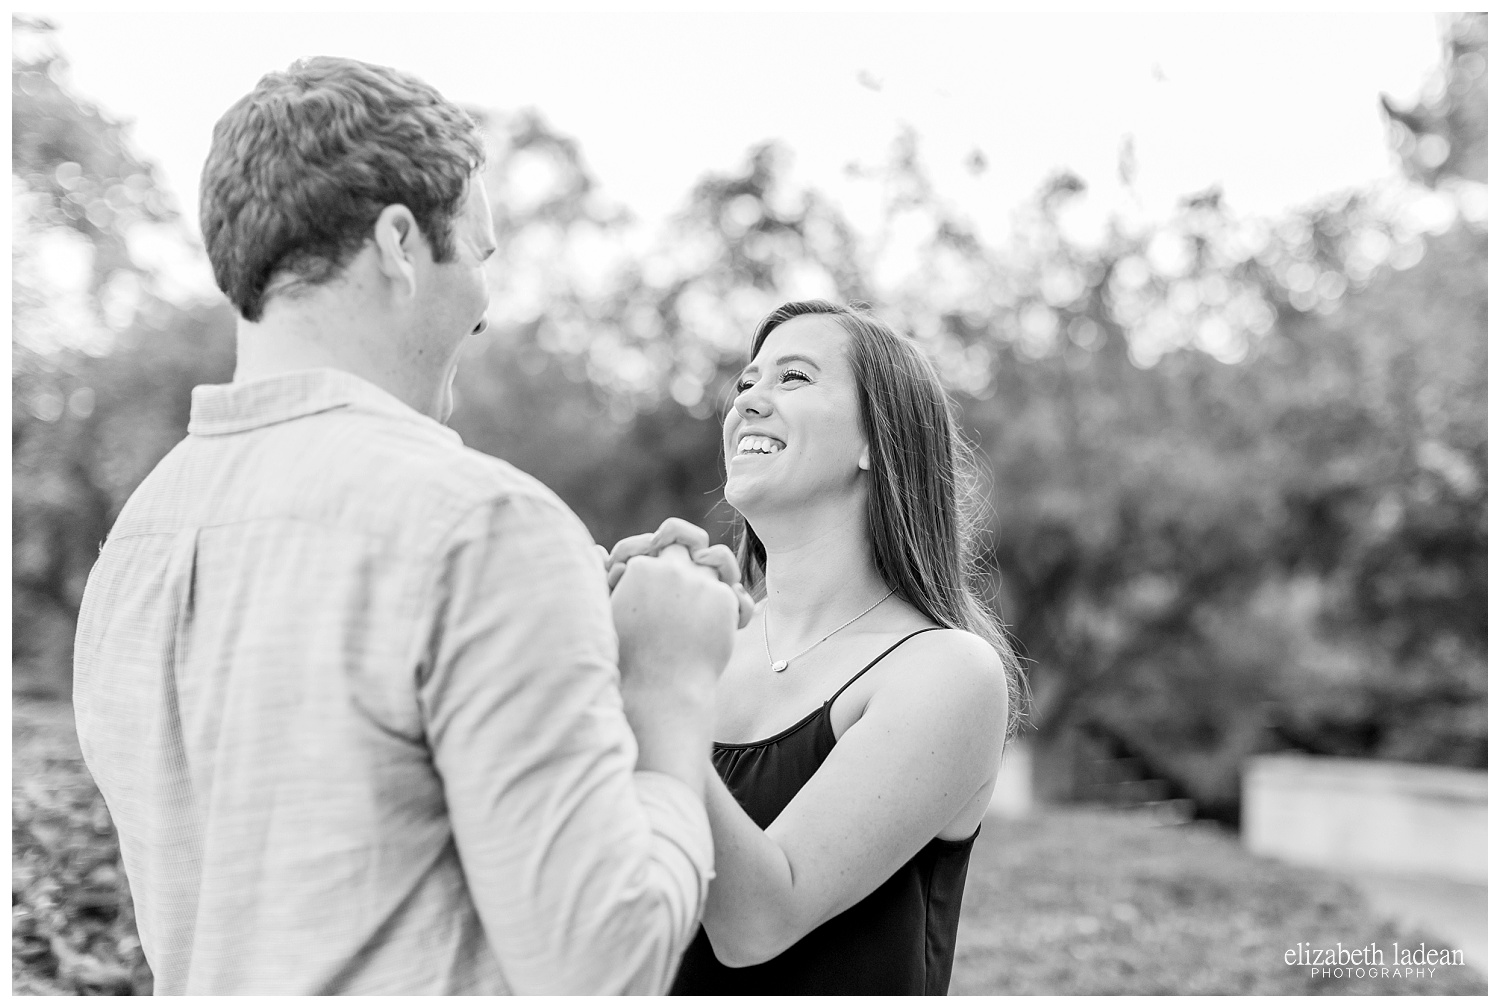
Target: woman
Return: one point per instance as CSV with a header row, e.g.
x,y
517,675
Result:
x,y
842,836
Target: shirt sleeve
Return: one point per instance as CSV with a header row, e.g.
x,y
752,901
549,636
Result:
x,y
589,876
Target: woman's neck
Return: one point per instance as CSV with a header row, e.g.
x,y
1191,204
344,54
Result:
x,y
818,574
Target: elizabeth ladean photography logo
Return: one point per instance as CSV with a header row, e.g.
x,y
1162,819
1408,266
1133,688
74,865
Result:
x,y
1370,960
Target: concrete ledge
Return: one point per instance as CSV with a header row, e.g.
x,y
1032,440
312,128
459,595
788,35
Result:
x,y
1355,815
1012,797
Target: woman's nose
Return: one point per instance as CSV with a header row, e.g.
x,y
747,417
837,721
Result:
x,y
752,402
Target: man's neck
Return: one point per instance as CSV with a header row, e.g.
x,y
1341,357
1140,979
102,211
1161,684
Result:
x,y
311,334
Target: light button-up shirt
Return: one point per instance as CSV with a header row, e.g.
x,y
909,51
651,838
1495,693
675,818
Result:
x,y
349,690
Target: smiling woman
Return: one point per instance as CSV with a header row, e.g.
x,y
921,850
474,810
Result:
x,y
861,717
918,494
794,434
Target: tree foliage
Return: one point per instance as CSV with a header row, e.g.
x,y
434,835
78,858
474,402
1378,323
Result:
x,y
1238,465
102,369
72,920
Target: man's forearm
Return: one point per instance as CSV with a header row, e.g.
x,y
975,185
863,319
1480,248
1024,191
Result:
x,y
675,625
673,728
588,878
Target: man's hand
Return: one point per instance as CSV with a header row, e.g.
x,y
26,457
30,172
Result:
x,y
675,622
676,531
672,613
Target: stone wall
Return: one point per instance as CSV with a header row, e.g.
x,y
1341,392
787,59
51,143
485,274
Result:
x,y
1359,815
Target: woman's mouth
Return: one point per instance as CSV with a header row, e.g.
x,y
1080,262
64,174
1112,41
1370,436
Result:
x,y
758,444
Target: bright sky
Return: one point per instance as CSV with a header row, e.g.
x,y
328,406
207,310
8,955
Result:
x,y
1278,109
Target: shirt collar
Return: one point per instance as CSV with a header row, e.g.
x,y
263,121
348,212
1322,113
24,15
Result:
x,y
244,406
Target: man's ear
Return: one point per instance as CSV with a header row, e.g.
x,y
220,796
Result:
x,y
396,239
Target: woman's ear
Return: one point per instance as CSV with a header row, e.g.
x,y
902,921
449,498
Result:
x,y
396,237
864,458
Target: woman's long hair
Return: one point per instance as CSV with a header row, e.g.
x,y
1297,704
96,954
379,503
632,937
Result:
x,y
922,500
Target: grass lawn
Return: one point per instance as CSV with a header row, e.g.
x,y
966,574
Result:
x,y
1081,901
1072,902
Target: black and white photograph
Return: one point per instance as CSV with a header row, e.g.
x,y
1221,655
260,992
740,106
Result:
x,y
595,501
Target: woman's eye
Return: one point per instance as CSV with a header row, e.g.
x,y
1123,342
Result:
x,y
794,376
743,384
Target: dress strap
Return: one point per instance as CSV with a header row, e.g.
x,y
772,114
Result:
x,y
877,658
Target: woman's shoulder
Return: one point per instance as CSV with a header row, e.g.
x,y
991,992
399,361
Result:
x,y
943,686
961,648
962,664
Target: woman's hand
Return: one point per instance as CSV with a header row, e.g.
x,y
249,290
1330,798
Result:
x,y
676,531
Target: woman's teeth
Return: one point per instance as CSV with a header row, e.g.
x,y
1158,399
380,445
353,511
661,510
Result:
x,y
752,443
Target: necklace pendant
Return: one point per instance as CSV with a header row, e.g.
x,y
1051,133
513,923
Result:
x,y
778,666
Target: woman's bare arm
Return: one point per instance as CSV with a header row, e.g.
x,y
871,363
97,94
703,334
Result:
x,y
928,740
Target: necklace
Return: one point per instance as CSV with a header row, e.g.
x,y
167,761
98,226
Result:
x,y
765,634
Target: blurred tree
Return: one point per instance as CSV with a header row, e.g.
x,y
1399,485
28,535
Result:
x,y
1240,470
1239,465
1169,418
605,377
74,163
1445,135
101,371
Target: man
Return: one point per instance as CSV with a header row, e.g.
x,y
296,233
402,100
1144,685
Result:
x,y
350,689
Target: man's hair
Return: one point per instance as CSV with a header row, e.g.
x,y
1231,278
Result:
x,y
302,166
923,503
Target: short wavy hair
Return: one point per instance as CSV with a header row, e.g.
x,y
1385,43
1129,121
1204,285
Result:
x,y
302,166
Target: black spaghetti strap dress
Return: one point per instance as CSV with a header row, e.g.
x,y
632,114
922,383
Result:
x,y
897,940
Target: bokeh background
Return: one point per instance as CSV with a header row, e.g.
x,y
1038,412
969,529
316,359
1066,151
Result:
x,y
1236,438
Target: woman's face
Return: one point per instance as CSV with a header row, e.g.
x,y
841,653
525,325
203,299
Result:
x,y
793,436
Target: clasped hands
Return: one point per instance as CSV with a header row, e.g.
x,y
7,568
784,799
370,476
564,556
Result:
x,y
673,536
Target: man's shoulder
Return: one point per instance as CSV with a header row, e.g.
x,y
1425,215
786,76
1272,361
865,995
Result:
x,y
429,474
473,480
404,485
442,464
